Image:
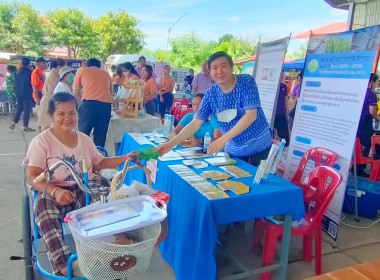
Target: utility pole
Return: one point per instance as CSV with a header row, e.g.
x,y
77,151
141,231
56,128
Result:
x,y
170,28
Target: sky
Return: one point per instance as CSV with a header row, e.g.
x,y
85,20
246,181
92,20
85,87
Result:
x,y
210,19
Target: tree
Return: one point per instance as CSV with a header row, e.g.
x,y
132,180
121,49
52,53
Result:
x,y
236,48
189,51
161,55
73,29
21,29
298,54
118,33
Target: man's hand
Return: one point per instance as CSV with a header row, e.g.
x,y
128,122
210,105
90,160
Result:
x,y
64,197
164,148
162,99
216,146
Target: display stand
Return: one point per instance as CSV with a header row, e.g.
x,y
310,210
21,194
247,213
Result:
x,y
130,106
356,188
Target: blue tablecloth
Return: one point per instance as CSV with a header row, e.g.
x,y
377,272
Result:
x,y
193,219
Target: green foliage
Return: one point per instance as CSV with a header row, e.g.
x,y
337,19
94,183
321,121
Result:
x,y
298,54
21,29
118,34
189,51
236,48
73,29
336,44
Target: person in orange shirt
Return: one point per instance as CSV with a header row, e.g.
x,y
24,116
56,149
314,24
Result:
x,y
166,97
38,81
95,110
150,89
130,73
119,77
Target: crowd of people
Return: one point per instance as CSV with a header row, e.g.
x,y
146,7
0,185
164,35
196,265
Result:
x,y
225,105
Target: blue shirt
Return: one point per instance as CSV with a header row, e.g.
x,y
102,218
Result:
x,y
208,126
245,96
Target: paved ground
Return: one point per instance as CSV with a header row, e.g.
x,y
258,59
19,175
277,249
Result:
x,y
353,245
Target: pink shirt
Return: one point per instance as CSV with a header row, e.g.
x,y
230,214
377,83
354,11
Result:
x,y
46,145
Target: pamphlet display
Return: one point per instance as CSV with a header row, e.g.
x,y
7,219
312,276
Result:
x,y
334,85
267,73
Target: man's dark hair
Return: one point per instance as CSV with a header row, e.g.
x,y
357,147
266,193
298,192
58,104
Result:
x,y
61,62
217,55
61,97
200,95
149,70
53,64
11,69
113,66
141,58
25,61
40,59
94,62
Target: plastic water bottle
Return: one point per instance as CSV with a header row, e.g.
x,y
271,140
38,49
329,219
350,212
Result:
x,y
142,112
206,142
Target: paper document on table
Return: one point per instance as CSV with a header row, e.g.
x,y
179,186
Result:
x,y
140,139
190,151
152,166
171,155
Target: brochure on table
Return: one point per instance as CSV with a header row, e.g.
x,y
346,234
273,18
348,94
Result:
x,y
330,103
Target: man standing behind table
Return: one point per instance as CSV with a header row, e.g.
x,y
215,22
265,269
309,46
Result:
x,y
190,77
202,81
142,63
24,94
95,110
38,81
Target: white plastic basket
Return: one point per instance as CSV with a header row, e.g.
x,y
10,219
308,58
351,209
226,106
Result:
x,y
99,260
99,256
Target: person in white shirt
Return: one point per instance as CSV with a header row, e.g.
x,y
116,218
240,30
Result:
x,y
66,79
186,86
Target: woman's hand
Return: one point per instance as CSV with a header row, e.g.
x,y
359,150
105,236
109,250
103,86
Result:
x,y
161,98
64,197
216,146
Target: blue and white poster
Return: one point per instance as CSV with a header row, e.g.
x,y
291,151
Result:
x,y
267,72
334,85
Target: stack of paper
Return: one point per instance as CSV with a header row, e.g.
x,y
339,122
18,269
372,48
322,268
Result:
x,y
236,171
215,175
199,183
171,155
235,187
195,163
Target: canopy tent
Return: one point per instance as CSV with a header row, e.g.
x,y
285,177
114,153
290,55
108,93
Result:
x,y
335,27
296,64
340,4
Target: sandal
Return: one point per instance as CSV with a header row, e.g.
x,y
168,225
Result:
x,y
28,129
12,126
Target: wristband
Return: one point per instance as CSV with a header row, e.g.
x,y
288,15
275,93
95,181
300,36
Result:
x,y
52,193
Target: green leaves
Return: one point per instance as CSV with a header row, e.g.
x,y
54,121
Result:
x,y
190,50
118,34
23,29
